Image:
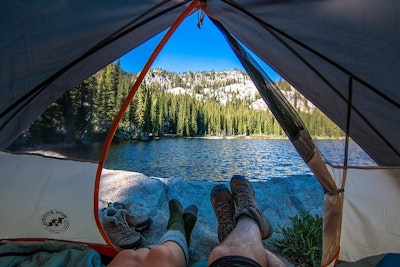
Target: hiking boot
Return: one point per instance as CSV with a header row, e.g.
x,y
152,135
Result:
x,y
135,219
224,209
246,204
118,230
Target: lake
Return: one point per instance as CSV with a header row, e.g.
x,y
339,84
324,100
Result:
x,y
219,159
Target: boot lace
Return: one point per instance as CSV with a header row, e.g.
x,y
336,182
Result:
x,y
242,194
225,217
124,229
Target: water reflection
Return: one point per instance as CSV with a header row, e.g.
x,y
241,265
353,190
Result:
x,y
200,159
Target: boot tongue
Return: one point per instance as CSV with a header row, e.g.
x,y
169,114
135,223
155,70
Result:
x,y
111,212
120,205
119,216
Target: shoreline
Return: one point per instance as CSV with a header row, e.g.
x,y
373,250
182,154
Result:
x,y
76,151
44,146
241,137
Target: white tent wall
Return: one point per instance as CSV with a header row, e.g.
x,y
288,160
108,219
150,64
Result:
x,y
48,198
370,212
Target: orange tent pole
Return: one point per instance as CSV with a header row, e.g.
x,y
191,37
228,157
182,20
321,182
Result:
x,y
194,5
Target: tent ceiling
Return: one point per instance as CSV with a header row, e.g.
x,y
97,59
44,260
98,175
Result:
x,y
320,47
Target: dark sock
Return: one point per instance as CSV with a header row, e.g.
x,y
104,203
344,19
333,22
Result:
x,y
189,218
175,221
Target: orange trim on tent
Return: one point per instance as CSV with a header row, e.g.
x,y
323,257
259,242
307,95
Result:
x,y
333,258
194,5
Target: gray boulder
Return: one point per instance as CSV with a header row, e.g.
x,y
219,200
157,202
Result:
x,y
278,198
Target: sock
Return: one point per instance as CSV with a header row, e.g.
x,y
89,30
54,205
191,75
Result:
x,y
189,218
179,238
180,226
176,228
175,221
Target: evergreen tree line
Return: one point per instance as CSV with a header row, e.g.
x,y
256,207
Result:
x,y
87,112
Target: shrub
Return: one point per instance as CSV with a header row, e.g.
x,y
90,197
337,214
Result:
x,y
303,241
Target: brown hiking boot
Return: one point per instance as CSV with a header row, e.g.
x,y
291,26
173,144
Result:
x,y
224,209
243,194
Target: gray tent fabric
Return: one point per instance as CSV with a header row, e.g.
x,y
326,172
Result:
x,y
48,48
318,46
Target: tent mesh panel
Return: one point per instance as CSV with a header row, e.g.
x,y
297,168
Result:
x,y
283,111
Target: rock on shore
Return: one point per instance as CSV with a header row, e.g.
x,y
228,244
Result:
x,y
279,199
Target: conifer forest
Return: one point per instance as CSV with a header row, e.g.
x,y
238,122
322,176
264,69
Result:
x,y
85,113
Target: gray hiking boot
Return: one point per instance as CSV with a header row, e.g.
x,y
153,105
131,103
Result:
x,y
224,209
134,215
243,194
118,230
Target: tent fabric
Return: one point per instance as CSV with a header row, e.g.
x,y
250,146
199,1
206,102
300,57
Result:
x,y
40,199
317,46
48,48
371,215
48,254
360,37
333,201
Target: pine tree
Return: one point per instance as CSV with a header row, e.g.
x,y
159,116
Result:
x,y
92,106
193,120
180,124
155,115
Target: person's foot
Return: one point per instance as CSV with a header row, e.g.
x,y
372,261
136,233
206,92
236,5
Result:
x,y
175,221
224,209
243,195
189,218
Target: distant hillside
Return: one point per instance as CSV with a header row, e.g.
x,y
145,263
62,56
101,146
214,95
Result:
x,y
222,86
192,104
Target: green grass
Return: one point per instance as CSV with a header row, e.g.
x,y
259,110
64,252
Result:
x,y
302,242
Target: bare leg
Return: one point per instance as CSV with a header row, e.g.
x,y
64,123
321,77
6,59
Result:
x,y
245,240
173,246
129,257
241,232
168,254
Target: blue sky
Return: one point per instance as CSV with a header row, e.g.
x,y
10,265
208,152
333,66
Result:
x,y
189,49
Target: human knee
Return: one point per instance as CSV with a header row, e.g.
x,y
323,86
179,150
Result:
x,y
220,251
162,252
127,257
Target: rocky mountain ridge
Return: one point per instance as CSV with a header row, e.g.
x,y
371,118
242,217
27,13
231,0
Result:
x,y
223,86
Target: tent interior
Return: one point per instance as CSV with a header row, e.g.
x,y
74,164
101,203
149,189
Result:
x,y
343,56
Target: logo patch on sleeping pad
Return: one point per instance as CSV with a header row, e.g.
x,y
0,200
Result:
x,y
55,221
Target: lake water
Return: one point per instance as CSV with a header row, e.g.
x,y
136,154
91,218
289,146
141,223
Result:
x,y
219,159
